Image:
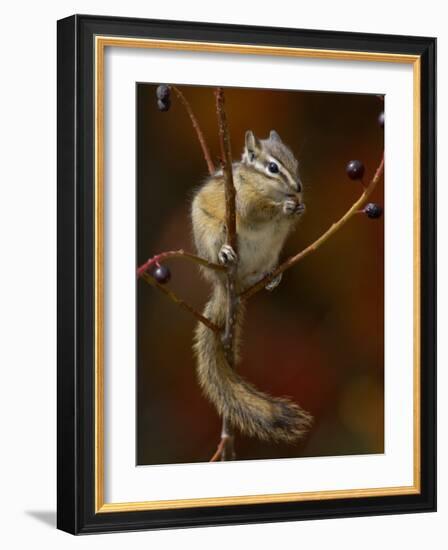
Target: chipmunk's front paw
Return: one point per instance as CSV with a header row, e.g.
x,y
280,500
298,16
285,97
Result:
x,y
274,283
227,255
292,206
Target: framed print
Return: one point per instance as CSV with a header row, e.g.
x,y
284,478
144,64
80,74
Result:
x,y
246,274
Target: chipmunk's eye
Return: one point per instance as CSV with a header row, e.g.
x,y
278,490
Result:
x,y
273,168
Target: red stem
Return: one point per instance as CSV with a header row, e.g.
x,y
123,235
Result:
x,y
155,260
194,121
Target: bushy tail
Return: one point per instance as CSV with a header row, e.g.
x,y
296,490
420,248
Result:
x,y
251,411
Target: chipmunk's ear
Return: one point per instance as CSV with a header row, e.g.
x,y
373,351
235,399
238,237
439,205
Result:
x,y
252,146
273,136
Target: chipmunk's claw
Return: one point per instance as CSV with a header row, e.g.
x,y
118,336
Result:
x,y
227,255
274,283
292,206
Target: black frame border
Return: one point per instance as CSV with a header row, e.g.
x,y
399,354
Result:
x,y
75,271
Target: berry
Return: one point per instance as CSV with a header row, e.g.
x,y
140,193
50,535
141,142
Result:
x,y
381,120
162,274
163,105
355,170
373,210
163,92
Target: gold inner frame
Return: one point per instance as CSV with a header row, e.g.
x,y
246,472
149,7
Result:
x,y
101,42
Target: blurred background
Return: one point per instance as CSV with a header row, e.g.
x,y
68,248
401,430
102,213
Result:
x,y
318,337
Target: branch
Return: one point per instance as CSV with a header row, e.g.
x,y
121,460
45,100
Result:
x,y
194,121
249,292
219,450
227,436
155,260
226,159
178,301
230,197
223,445
227,439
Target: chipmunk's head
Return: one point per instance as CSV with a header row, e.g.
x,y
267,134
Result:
x,y
272,158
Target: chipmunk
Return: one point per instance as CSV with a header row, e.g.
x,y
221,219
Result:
x,y
268,205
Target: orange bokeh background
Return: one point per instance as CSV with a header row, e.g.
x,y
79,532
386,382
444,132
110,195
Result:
x,y
318,337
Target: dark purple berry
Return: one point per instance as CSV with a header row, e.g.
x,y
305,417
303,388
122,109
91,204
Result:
x,y
355,170
163,92
381,120
373,210
163,105
162,274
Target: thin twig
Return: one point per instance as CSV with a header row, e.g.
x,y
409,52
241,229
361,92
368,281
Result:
x,y
249,292
226,159
228,451
225,446
155,260
194,121
227,435
178,301
219,450
230,198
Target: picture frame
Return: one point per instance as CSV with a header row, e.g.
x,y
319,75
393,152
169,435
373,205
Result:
x,y
82,196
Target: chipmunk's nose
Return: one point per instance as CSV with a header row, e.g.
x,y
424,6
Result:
x,y
299,185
